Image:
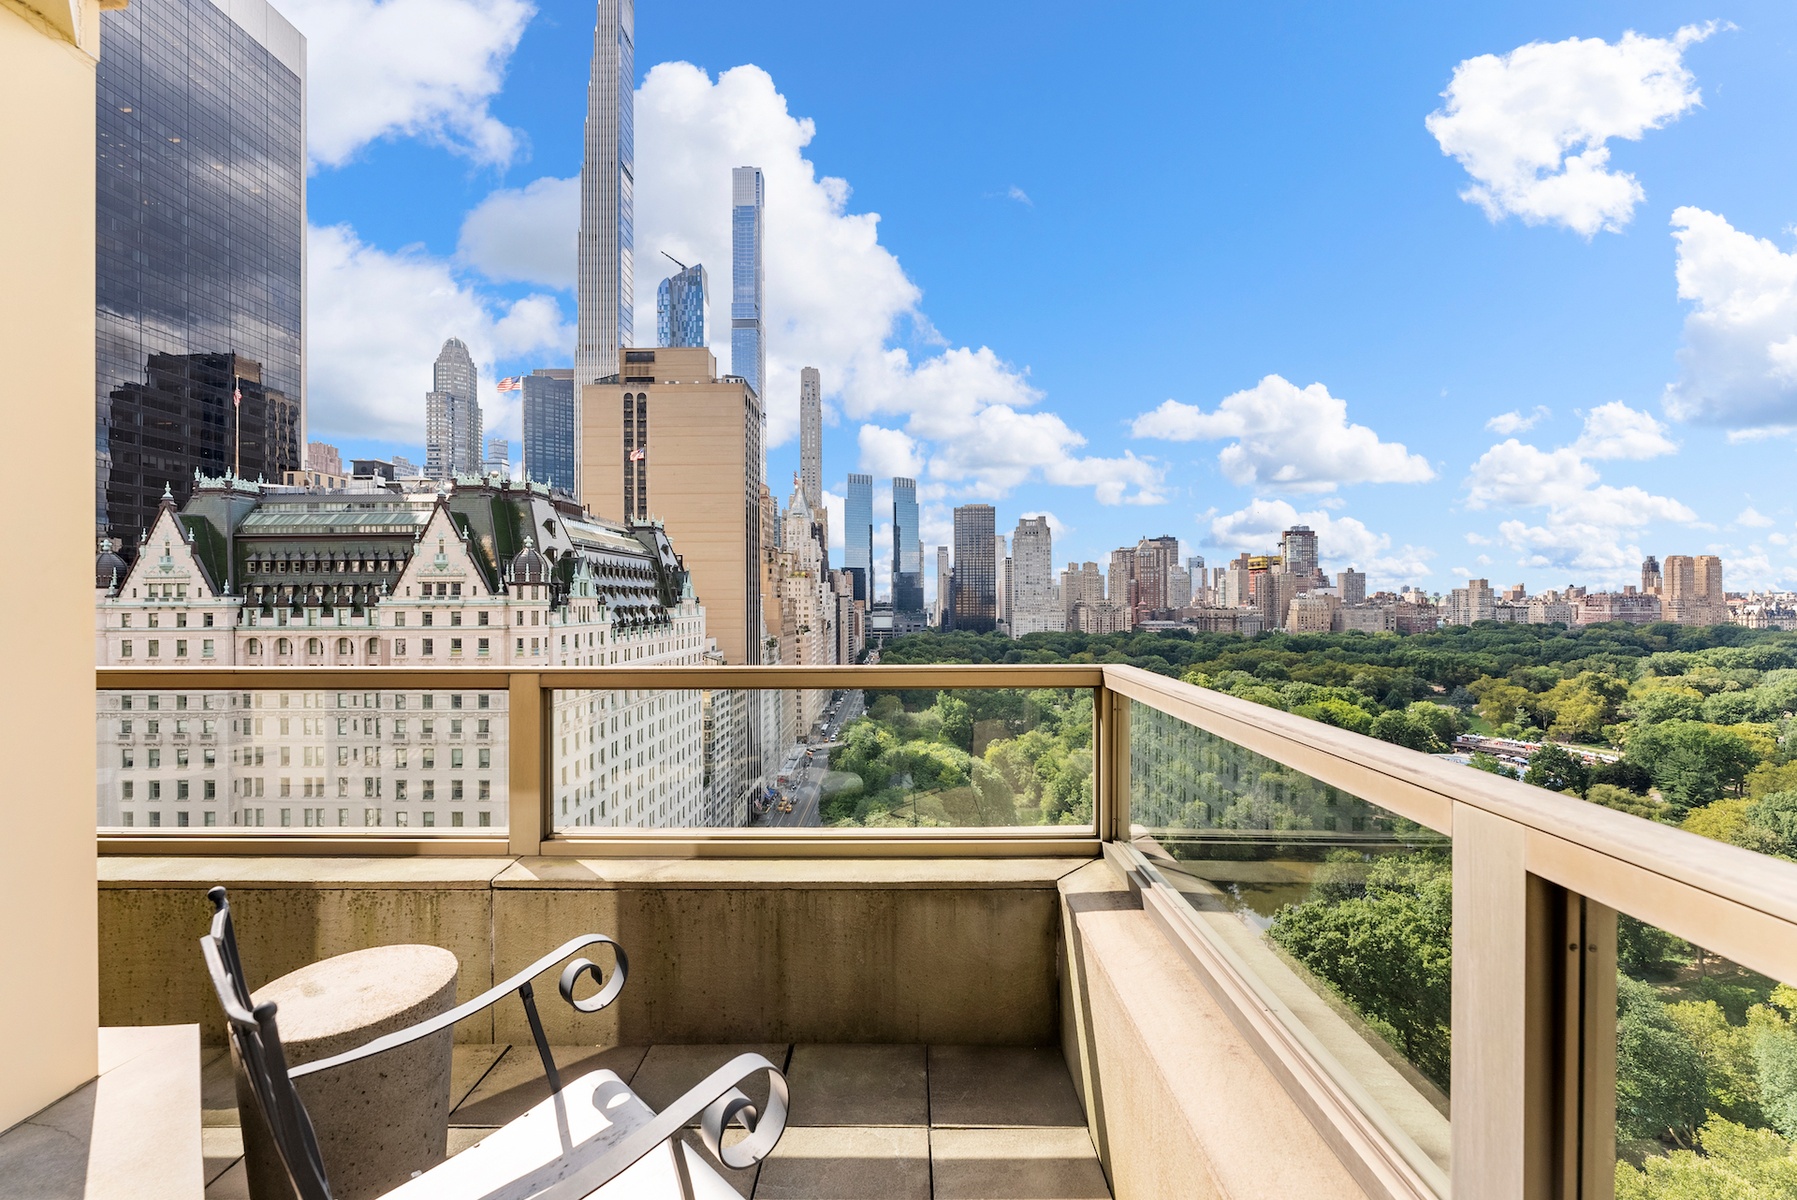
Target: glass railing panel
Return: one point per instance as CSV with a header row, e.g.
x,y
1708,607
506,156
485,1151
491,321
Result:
x,y
1706,1073
1339,910
302,761
766,759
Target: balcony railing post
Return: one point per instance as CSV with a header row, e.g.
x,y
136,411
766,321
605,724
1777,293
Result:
x,y
527,793
1490,1007
1112,765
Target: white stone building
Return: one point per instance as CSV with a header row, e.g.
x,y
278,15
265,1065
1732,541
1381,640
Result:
x,y
484,573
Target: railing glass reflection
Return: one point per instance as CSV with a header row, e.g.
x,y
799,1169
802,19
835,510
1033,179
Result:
x,y
374,760
1340,910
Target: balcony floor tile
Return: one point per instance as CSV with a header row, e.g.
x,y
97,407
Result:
x,y
859,1085
1001,1085
879,1163
1015,1164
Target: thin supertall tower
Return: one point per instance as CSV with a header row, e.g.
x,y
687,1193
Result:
x,y
811,437
748,348
605,268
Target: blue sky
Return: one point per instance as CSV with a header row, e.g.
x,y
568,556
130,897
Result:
x,y
1085,214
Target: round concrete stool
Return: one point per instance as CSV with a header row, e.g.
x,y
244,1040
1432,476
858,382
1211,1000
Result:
x,y
378,1120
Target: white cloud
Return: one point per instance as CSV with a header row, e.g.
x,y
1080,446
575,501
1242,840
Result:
x,y
1615,430
889,452
511,236
1585,521
407,68
1531,127
1515,422
1738,365
836,299
1753,518
1018,194
378,319
835,505
1287,439
1341,541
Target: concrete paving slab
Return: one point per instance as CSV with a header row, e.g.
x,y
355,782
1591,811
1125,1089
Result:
x,y
468,1065
234,1184
222,1145
669,1070
1001,1086
218,1088
859,1085
879,1163
1015,1164
517,1082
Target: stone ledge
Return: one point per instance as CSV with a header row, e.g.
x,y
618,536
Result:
x,y
295,872
132,1132
791,873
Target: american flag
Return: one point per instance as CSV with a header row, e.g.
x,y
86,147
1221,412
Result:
x,y
236,395
639,454
511,383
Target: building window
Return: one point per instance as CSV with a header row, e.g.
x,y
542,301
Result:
x,y
180,647
206,650
181,819
429,620
314,646
486,789
486,819
125,649
399,646
430,820
455,789
455,647
480,648
455,819
253,646
430,789
429,647
283,646
155,648
155,820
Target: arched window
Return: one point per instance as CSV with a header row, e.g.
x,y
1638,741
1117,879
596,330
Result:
x,y
283,646
374,647
253,646
314,646
344,646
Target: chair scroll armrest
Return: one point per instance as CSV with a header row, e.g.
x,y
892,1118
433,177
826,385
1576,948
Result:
x,y
716,1101
493,995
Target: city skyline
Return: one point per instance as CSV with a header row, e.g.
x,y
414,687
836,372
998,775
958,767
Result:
x,y
1588,459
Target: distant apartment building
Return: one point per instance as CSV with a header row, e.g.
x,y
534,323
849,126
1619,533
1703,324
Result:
x,y
975,591
323,457
1157,561
683,307
1120,583
1298,551
1036,598
1552,609
452,417
1001,561
1101,618
1081,583
1366,618
1630,604
1350,585
549,428
811,444
1312,612
1691,592
249,575
499,458
944,586
1651,578
199,267
1474,602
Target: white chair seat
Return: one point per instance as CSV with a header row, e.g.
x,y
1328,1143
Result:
x,y
575,1126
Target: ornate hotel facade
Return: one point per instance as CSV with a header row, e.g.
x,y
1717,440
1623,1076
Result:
x,y
484,572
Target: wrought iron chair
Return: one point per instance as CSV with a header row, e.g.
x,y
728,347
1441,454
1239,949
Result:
x,y
584,1140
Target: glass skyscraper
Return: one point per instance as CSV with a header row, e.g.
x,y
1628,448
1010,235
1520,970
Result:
x,y
975,601
907,549
549,427
200,252
748,349
858,535
682,307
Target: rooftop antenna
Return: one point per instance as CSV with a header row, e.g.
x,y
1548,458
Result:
x,y
673,260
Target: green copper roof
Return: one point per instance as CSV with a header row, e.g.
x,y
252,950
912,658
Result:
x,y
269,520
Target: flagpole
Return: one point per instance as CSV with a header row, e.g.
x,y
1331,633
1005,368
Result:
x,y
237,409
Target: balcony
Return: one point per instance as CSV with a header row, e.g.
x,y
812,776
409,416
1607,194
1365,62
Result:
x,y
1239,962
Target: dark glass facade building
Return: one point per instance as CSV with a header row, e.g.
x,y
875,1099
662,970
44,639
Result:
x,y
200,250
975,593
549,427
907,549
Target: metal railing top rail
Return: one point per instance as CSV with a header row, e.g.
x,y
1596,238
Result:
x,y
495,678
1424,789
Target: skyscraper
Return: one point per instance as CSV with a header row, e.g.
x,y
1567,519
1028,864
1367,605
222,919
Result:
x,y
200,112
944,580
673,441
683,307
907,549
811,437
549,449
976,571
858,536
748,350
1156,560
605,265
452,414
1298,551
499,458
1036,600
